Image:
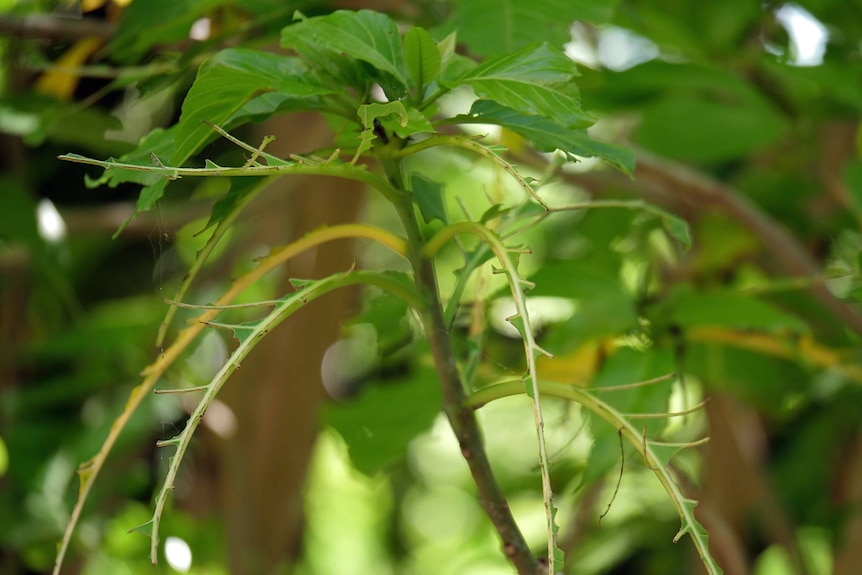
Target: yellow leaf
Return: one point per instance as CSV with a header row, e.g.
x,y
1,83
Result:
x,y
61,81
577,367
798,348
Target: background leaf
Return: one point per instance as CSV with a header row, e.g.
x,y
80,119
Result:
x,y
491,27
379,425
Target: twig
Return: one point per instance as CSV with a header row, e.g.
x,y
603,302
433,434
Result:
x,y
683,181
461,416
678,186
54,27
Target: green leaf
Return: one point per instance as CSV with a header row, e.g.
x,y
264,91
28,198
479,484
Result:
x,y
365,35
722,131
155,22
423,58
490,27
546,136
416,123
678,229
226,82
379,425
369,112
688,309
428,195
535,80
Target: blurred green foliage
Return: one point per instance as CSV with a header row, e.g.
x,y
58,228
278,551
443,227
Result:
x,y
387,490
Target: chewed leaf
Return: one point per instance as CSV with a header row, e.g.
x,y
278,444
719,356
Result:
x,y
559,556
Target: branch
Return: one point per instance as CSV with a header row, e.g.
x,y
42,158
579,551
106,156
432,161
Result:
x,y
676,185
680,180
461,417
54,27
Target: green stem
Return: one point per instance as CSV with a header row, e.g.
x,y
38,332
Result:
x,y
472,145
461,417
648,449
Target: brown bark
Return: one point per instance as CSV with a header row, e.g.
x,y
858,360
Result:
x,y
277,392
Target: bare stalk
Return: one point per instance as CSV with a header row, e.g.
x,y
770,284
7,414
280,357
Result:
x,y
461,416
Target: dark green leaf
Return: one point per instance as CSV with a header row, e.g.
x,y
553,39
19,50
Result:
x,y
678,229
696,129
365,35
155,22
428,195
226,82
423,58
535,80
727,309
547,136
491,27
379,425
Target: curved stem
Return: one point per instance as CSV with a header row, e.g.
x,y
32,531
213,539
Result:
x,y
89,471
250,335
651,451
473,146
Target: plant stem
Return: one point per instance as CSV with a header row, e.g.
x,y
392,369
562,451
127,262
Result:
x,y
461,417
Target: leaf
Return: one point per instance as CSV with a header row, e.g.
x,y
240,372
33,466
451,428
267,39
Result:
x,y
688,309
155,21
394,118
416,123
428,195
678,229
722,131
226,82
423,58
368,36
380,424
490,27
546,136
369,112
535,80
